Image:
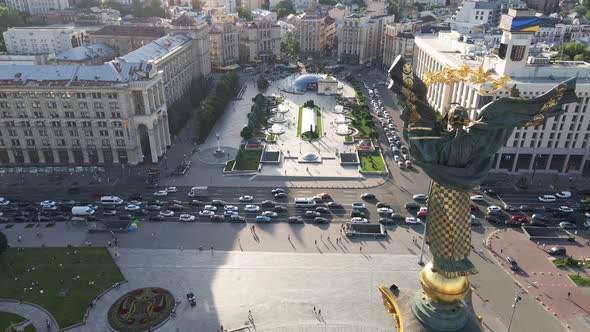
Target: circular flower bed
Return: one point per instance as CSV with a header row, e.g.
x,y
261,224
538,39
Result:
x,y
140,310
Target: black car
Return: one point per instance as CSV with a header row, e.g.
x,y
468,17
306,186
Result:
x,y
277,190
320,220
556,251
280,208
383,205
312,214
218,202
125,217
237,218
322,209
174,201
512,263
268,203
31,208
175,207
526,208
335,205
157,217
140,213
386,221
398,216
584,191
135,197
154,208
295,220
495,218
357,213
196,202
491,192
280,196
412,205
368,196
154,202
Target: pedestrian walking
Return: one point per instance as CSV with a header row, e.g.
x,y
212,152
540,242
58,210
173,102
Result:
x,y
361,249
501,250
153,234
109,243
316,242
568,295
320,312
289,237
328,239
314,309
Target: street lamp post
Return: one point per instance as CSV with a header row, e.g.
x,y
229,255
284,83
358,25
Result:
x,y
517,298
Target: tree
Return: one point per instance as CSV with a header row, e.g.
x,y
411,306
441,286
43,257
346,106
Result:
x,y
573,51
580,10
290,44
3,243
284,8
199,89
262,83
244,13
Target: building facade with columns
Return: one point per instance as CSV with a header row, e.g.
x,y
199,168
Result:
x,y
223,44
561,144
114,113
361,37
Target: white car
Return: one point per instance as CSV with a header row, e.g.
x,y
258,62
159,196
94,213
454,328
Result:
x,y
167,213
210,207
412,220
565,224
230,208
269,214
420,197
171,190
547,198
360,206
246,198
384,210
48,203
566,209
132,207
4,201
587,223
134,203
476,198
401,165
396,158
161,193
206,213
564,194
494,208
587,214
473,219
359,220
186,217
252,208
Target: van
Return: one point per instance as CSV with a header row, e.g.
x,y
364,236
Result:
x,y
198,191
304,202
110,200
82,211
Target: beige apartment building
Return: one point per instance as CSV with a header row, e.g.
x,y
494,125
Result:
x,y
113,113
361,38
224,44
126,38
260,41
315,34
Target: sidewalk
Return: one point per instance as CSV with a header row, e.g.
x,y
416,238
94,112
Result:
x,y
33,313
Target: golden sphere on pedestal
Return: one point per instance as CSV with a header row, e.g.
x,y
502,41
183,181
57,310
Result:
x,y
441,289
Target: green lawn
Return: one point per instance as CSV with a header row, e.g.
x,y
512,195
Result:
x,y
363,123
64,294
371,161
229,165
580,281
348,138
8,318
247,160
570,262
299,120
270,138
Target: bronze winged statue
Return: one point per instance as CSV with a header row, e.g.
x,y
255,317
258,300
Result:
x,y
457,152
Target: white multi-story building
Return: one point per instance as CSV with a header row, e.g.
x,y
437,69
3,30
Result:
x,y
559,145
224,44
259,41
361,38
37,6
399,39
42,40
315,34
263,14
113,113
474,14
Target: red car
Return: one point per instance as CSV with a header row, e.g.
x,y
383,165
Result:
x,y
474,207
217,217
323,197
519,218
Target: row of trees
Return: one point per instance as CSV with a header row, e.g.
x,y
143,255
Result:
x,y
573,51
180,112
284,8
214,104
257,118
262,83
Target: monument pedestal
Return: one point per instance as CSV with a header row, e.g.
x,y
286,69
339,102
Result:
x,y
406,300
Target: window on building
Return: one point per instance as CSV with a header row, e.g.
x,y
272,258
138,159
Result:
x,y
105,142
88,132
120,142
100,115
82,105
12,132
51,104
42,132
98,105
60,142
502,51
15,142
115,115
69,114
70,124
96,95
30,142
81,95
28,132
66,105
103,133
517,52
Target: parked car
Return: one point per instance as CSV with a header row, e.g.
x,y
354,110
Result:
x,y
196,202
322,209
519,218
412,220
537,223
359,206
157,217
412,205
237,218
186,217
167,213
271,214
357,213
382,205
175,207
386,221
509,208
280,208
252,208
397,216
565,209
218,202
109,212
268,203
312,214
206,213
277,190
368,196
474,221
210,207
171,190
322,197
477,198
335,205
125,217
564,194
512,223
384,210
230,208
525,208
280,196
473,207
359,220
230,213
295,220
494,208
540,217
217,217
161,193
